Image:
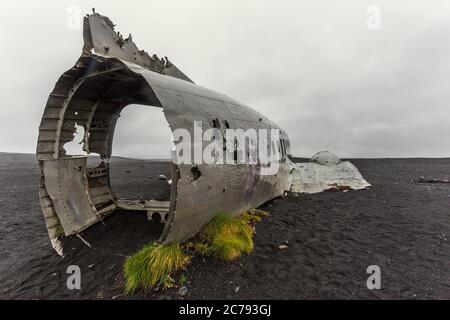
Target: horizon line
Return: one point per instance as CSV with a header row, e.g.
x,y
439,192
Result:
x,y
301,157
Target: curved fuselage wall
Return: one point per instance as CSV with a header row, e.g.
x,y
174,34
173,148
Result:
x,y
221,188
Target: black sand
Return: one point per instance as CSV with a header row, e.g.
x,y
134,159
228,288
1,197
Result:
x,y
400,225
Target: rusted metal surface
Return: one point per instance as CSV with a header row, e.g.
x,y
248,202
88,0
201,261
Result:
x,y
111,74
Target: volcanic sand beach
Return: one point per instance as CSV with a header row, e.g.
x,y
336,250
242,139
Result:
x,y
400,225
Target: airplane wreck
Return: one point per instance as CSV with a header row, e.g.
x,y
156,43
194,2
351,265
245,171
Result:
x,y
111,74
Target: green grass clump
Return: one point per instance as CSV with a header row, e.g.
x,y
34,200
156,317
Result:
x,y
182,279
200,247
252,216
225,237
153,266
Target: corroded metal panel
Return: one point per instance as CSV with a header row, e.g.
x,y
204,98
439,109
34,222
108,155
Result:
x,y
67,187
229,189
100,37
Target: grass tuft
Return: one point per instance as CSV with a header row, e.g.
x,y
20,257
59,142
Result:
x,y
253,216
182,280
153,266
200,248
225,237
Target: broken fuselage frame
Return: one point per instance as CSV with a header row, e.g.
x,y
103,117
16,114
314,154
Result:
x,y
111,74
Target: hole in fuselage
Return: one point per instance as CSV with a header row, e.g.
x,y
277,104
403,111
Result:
x,y
156,217
141,151
140,156
216,123
76,146
196,173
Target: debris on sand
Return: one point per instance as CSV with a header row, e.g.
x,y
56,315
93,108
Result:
x,y
326,172
283,247
162,177
183,291
84,241
425,180
325,158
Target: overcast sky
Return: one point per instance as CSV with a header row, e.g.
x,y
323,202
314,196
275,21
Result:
x,y
314,67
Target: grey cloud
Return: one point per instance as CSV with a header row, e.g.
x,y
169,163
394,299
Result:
x,y
311,66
